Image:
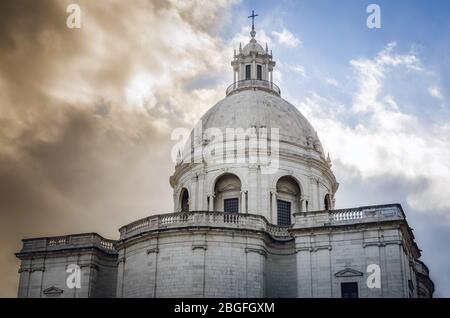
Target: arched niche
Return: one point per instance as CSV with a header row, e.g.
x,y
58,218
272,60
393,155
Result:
x,y
184,200
327,202
288,196
227,193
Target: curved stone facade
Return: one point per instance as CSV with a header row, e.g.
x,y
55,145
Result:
x,y
205,254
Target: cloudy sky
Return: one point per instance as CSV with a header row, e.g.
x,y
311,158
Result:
x,y
86,114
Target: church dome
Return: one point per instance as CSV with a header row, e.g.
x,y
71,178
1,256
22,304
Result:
x,y
253,46
253,152
258,108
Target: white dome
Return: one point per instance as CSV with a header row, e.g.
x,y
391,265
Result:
x,y
257,108
253,46
229,170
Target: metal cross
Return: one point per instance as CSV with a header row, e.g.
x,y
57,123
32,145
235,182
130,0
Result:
x,y
253,16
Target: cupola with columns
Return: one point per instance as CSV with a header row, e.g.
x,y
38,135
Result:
x,y
253,66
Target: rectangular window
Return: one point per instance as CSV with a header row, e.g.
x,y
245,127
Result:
x,y
248,73
231,205
259,72
284,212
349,290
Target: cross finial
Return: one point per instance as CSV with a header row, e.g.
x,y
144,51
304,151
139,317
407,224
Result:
x,y
253,16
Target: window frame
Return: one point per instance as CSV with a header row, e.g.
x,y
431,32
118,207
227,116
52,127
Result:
x,y
259,72
248,71
229,199
278,211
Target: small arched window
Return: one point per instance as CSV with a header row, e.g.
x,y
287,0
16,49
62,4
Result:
x,y
227,193
288,199
184,200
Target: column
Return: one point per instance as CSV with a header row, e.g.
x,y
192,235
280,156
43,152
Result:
x,y
211,202
24,281
243,201
274,207
304,273
120,275
201,197
303,203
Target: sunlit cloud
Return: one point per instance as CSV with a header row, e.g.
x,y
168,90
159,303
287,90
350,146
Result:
x,y
331,81
286,38
300,70
435,92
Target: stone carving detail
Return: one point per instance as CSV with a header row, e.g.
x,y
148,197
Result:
x,y
152,250
348,272
53,291
202,246
309,141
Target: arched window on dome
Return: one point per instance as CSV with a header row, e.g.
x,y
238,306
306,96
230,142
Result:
x,y
327,202
288,199
184,200
227,192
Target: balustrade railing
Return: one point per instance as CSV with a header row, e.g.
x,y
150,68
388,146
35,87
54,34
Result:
x,y
55,241
204,218
253,83
69,241
251,221
365,213
107,244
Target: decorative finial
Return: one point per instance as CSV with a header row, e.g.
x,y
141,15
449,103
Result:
x,y
179,157
329,160
267,49
253,16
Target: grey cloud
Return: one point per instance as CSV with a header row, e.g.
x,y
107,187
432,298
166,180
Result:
x,y
75,155
430,230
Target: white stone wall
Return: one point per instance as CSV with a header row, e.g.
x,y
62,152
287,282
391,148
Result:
x,y
321,255
98,275
193,264
232,263
226,255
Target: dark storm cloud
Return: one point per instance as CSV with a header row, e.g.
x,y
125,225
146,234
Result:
x,y
82,149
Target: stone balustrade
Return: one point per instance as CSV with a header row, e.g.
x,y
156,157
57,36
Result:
x,y
253,84
204,219
250,222
349,216
87,240
259,223
355,214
